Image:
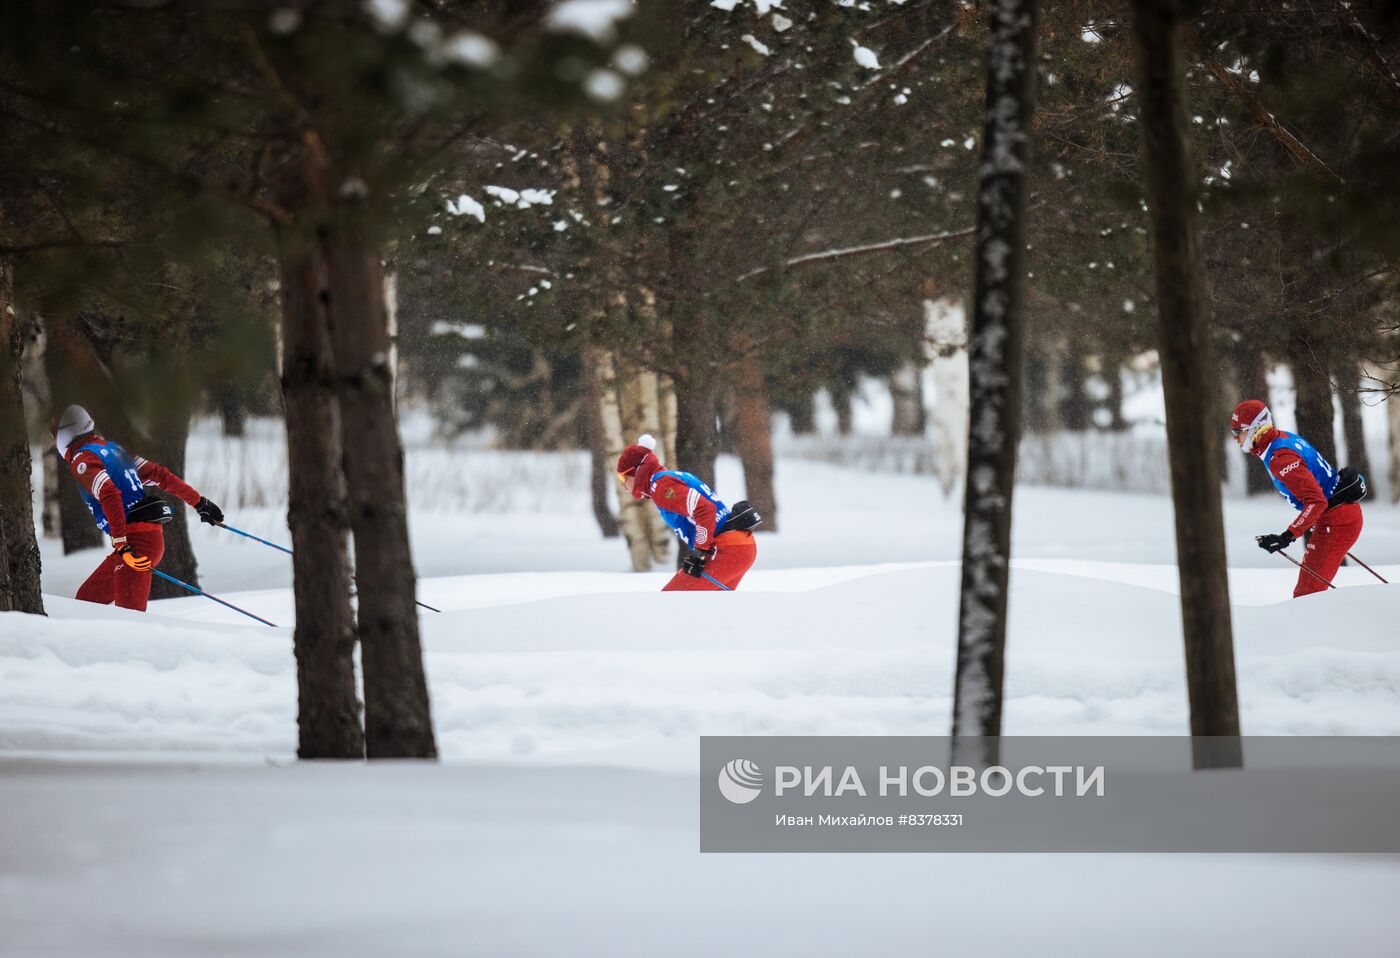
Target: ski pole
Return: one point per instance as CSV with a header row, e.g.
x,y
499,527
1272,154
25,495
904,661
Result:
x,y
187,586
249,535
717,582
1368,568
1306,569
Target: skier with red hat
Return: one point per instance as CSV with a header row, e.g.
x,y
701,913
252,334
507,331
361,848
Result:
x,y
1327,500
113,485
719,537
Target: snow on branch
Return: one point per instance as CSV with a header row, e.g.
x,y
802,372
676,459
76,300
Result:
x,y
806,259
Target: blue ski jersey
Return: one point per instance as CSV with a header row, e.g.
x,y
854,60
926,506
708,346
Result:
x,y
1321,469
680,522
121,470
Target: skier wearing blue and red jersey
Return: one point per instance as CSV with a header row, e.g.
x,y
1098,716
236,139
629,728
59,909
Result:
x,y
113,485
1327,500
719,538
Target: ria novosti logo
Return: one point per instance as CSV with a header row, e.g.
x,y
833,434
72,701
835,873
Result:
x,y
741,781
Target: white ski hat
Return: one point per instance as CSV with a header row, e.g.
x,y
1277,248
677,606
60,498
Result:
x,y
74,422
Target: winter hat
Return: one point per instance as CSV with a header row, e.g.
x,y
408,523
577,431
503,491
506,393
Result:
x,y
634,455
1250,420
74,422
640,461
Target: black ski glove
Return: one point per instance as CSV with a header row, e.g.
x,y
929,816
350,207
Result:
x,y
694,562
1275,543
208,512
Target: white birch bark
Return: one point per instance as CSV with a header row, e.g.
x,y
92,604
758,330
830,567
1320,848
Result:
x,y
946,346
632,519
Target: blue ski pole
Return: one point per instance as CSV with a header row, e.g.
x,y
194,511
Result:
x,y
190,588
249,535
717,582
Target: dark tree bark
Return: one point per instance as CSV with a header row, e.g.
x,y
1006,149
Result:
x,y
171,432
20,589
697,429
600,462
1352,429
994,352
845,414
229,401
328,706
1312,385
802,414
754,425
1035,403
398,721
52,522
1252,366
1075,408
1111,366
75,524
1193,429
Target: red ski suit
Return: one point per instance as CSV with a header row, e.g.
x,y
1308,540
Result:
x,y
734,551
113,580
1334,531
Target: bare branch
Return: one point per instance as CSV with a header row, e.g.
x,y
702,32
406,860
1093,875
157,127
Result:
x,y
823,256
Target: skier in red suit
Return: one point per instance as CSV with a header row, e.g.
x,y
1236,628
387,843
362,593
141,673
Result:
x,y
113,484
1328,501
719,538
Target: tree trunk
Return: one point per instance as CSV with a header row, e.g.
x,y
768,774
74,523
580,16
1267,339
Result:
x,y
1111,369
1252,367
398,720
845,413
947,332
1353,430
755,428
1312,387
697,400
64,371
1172,184
632,516
601,465
1074,402
171,431
1035,402
643,411
52,520
53,469
907,391
994,359
697,429
391,314
228,401
802,415
1392,422
328,706
20,589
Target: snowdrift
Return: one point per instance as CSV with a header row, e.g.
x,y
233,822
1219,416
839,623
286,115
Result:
x,y
597,671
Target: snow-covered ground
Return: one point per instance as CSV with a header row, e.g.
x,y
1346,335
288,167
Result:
x,y
148,806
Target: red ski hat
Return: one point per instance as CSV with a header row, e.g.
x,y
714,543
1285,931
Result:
x,y
637,464
1250,420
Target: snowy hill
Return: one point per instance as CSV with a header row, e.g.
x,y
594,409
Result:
x,y
146,761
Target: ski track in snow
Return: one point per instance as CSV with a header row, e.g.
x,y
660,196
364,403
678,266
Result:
x,y
846,625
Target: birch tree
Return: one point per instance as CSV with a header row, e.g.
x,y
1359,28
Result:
x,y
994,364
